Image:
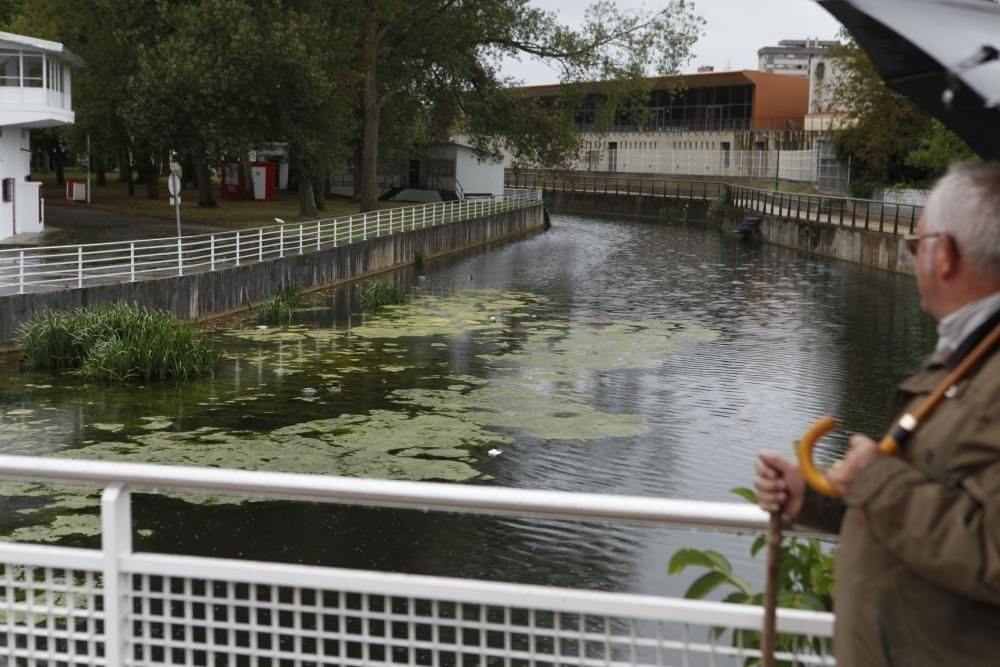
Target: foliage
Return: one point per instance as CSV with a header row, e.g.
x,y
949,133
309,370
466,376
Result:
x,y
280,308
805,581
888,138
717,208
116,343
376,293
418,261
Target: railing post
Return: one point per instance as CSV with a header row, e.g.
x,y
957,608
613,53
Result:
x,y
281,240
378,224
180,257
237,247
79,266
895,221
335,233
211,252
301,232
260,244
116,543
20,272
131,261
319,228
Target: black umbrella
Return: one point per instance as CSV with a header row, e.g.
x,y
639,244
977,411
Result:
x,y
941,54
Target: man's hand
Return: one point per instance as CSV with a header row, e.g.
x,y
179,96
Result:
x,y
862,451
779,485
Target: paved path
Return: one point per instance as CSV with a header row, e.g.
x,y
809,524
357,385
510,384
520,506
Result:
x,y
76,224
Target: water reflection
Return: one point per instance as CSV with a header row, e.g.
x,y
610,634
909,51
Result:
x,y
795,337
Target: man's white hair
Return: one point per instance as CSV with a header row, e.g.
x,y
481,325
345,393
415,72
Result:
x,y
965,205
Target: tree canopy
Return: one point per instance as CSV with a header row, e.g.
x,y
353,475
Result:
x,y
889,139
339,83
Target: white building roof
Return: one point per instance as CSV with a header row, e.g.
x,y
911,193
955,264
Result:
x,y
35,44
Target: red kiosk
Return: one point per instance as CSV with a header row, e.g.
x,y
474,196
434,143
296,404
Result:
x,y
264,175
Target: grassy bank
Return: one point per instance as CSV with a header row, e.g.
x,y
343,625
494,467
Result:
x,y
114,198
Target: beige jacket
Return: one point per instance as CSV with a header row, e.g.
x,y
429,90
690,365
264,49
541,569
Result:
x,y
918,572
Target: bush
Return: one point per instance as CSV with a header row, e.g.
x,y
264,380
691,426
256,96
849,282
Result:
x,y
116,343
374,294
280,308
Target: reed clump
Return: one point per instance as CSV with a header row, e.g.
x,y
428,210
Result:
x,y
116,343
376,293
280,308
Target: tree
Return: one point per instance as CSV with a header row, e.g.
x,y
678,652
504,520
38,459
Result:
x,y
447,53
888,137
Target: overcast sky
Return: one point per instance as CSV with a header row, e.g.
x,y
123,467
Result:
x,y
733,31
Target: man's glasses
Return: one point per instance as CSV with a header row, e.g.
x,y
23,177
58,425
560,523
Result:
x,y
913,240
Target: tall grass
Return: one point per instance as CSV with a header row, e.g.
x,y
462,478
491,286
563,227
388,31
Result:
x,y
280,308
375,293
116,343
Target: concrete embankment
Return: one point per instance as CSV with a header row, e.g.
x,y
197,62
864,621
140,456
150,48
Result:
x,y
866,247
202,295
641,206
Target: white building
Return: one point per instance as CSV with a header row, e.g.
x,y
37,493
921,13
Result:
x,y
446,170
791,56
35,92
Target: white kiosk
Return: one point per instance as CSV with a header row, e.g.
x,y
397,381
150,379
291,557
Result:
x,y
35,92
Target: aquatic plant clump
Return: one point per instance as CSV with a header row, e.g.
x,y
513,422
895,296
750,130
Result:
x,y
116,343
280,308
376,293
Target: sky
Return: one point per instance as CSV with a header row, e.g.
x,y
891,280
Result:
x,y
733,32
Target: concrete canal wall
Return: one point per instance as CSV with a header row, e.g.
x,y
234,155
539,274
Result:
x,y
209,294
638,206
866,247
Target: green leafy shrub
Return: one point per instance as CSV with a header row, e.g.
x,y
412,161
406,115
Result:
x,y
717,209
375,293
418,261
280,308
805,581
116,343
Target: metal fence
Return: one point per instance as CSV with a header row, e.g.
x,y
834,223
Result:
x,y
58,267
845,211
621,185
113,606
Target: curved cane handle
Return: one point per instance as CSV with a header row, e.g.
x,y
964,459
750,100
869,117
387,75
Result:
x,y
813,476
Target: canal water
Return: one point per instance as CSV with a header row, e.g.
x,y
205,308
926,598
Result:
x,y
603,355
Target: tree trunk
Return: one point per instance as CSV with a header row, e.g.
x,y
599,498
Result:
x,y
369,140
307,201
189,175
59,160
319,189
149,171
248,192
165,163
101,169
126,171
356,173
206,196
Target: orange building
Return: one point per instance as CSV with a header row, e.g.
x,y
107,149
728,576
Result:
x,y
706,102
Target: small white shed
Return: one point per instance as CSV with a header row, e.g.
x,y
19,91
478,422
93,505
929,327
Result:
x,y
35,92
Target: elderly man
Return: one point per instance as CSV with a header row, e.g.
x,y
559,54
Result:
x,y
918,570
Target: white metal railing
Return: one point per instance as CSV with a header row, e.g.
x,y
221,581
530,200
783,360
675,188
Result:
x,y
64,605
58,267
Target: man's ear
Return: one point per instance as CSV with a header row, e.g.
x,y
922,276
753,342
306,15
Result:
x,y
948,258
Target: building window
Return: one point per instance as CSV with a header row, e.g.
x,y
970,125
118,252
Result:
x,y
33,68
10,68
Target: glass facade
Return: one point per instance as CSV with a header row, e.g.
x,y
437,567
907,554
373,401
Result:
x,y
30,69
10,68
693,109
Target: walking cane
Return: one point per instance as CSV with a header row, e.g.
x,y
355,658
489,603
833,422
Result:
x,y
889,445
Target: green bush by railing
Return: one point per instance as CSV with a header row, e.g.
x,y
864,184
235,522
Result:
x,y
116,343
280,308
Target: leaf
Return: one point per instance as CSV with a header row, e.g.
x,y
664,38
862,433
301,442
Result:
x,y
758,544
713,560
745,493
705,584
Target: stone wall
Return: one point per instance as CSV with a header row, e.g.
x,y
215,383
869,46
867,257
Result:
x,y
209,294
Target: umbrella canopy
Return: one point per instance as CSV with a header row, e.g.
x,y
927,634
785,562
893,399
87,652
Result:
x,y
941,54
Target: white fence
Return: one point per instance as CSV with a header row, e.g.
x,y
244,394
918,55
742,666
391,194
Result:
x,y
60,267
71,606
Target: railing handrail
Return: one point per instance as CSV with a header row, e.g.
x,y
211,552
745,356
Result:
x,y
390,493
